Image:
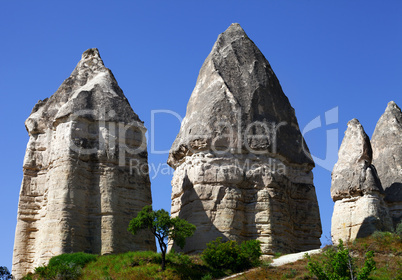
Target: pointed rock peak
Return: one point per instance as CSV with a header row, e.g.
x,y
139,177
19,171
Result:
x,y
355,125
393,108
234,31
237,87
392,117
353,174
387,151
356,145
91,86
90,53
392,105
91,60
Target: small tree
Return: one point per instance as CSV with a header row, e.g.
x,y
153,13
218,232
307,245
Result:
x,y
163,227
5,273
337,264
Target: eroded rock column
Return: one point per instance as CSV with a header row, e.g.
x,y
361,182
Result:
x,y
359,208
387,157
78,191
242,169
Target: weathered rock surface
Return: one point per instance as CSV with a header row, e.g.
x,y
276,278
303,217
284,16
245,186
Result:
x,y
242,170
78,192
356,189
387,158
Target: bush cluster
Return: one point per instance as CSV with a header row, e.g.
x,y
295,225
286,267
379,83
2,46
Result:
x,y
65,266
232,255
338,264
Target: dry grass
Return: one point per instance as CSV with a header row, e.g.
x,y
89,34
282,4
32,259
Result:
x,y
387,249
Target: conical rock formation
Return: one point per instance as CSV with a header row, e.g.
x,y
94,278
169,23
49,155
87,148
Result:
x,y
387,158
242,170
359,207
78,192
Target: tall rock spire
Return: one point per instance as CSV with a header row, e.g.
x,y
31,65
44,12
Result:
x,y
242,169
238,92
359,208
78,192
387,157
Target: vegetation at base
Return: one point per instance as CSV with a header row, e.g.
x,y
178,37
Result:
x,y
145,265
232,255
135,265
387,248
5,273
338,264
163,227
63,267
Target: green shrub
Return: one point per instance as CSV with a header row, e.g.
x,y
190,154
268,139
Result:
x,y
207,277
178,258
251,252
65,266
337,264
398,229
383,238
78,259
231,255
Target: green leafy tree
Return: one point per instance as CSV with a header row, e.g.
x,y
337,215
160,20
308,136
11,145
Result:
x,y
163,227
337,264
5,273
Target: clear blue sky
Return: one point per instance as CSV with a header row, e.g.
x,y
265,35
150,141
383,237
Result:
x,y
326,54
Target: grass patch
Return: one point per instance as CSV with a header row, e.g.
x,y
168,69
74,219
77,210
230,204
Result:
x,y
146,265
130,265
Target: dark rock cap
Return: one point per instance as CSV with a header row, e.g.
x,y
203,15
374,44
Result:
x,y
91,90
387,151
353,174
238,106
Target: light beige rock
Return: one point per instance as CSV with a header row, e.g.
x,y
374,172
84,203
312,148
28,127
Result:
x,y
242,169
359,208
242,197
78,192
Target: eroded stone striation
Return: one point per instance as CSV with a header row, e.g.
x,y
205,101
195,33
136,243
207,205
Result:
x,y
242,170
387,158
359,207
77,192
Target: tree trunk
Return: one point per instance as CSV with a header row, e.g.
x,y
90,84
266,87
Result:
x,y
163,259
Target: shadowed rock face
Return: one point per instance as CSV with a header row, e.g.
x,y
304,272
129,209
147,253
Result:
x,y
242,170
77,192
356,190
387,157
